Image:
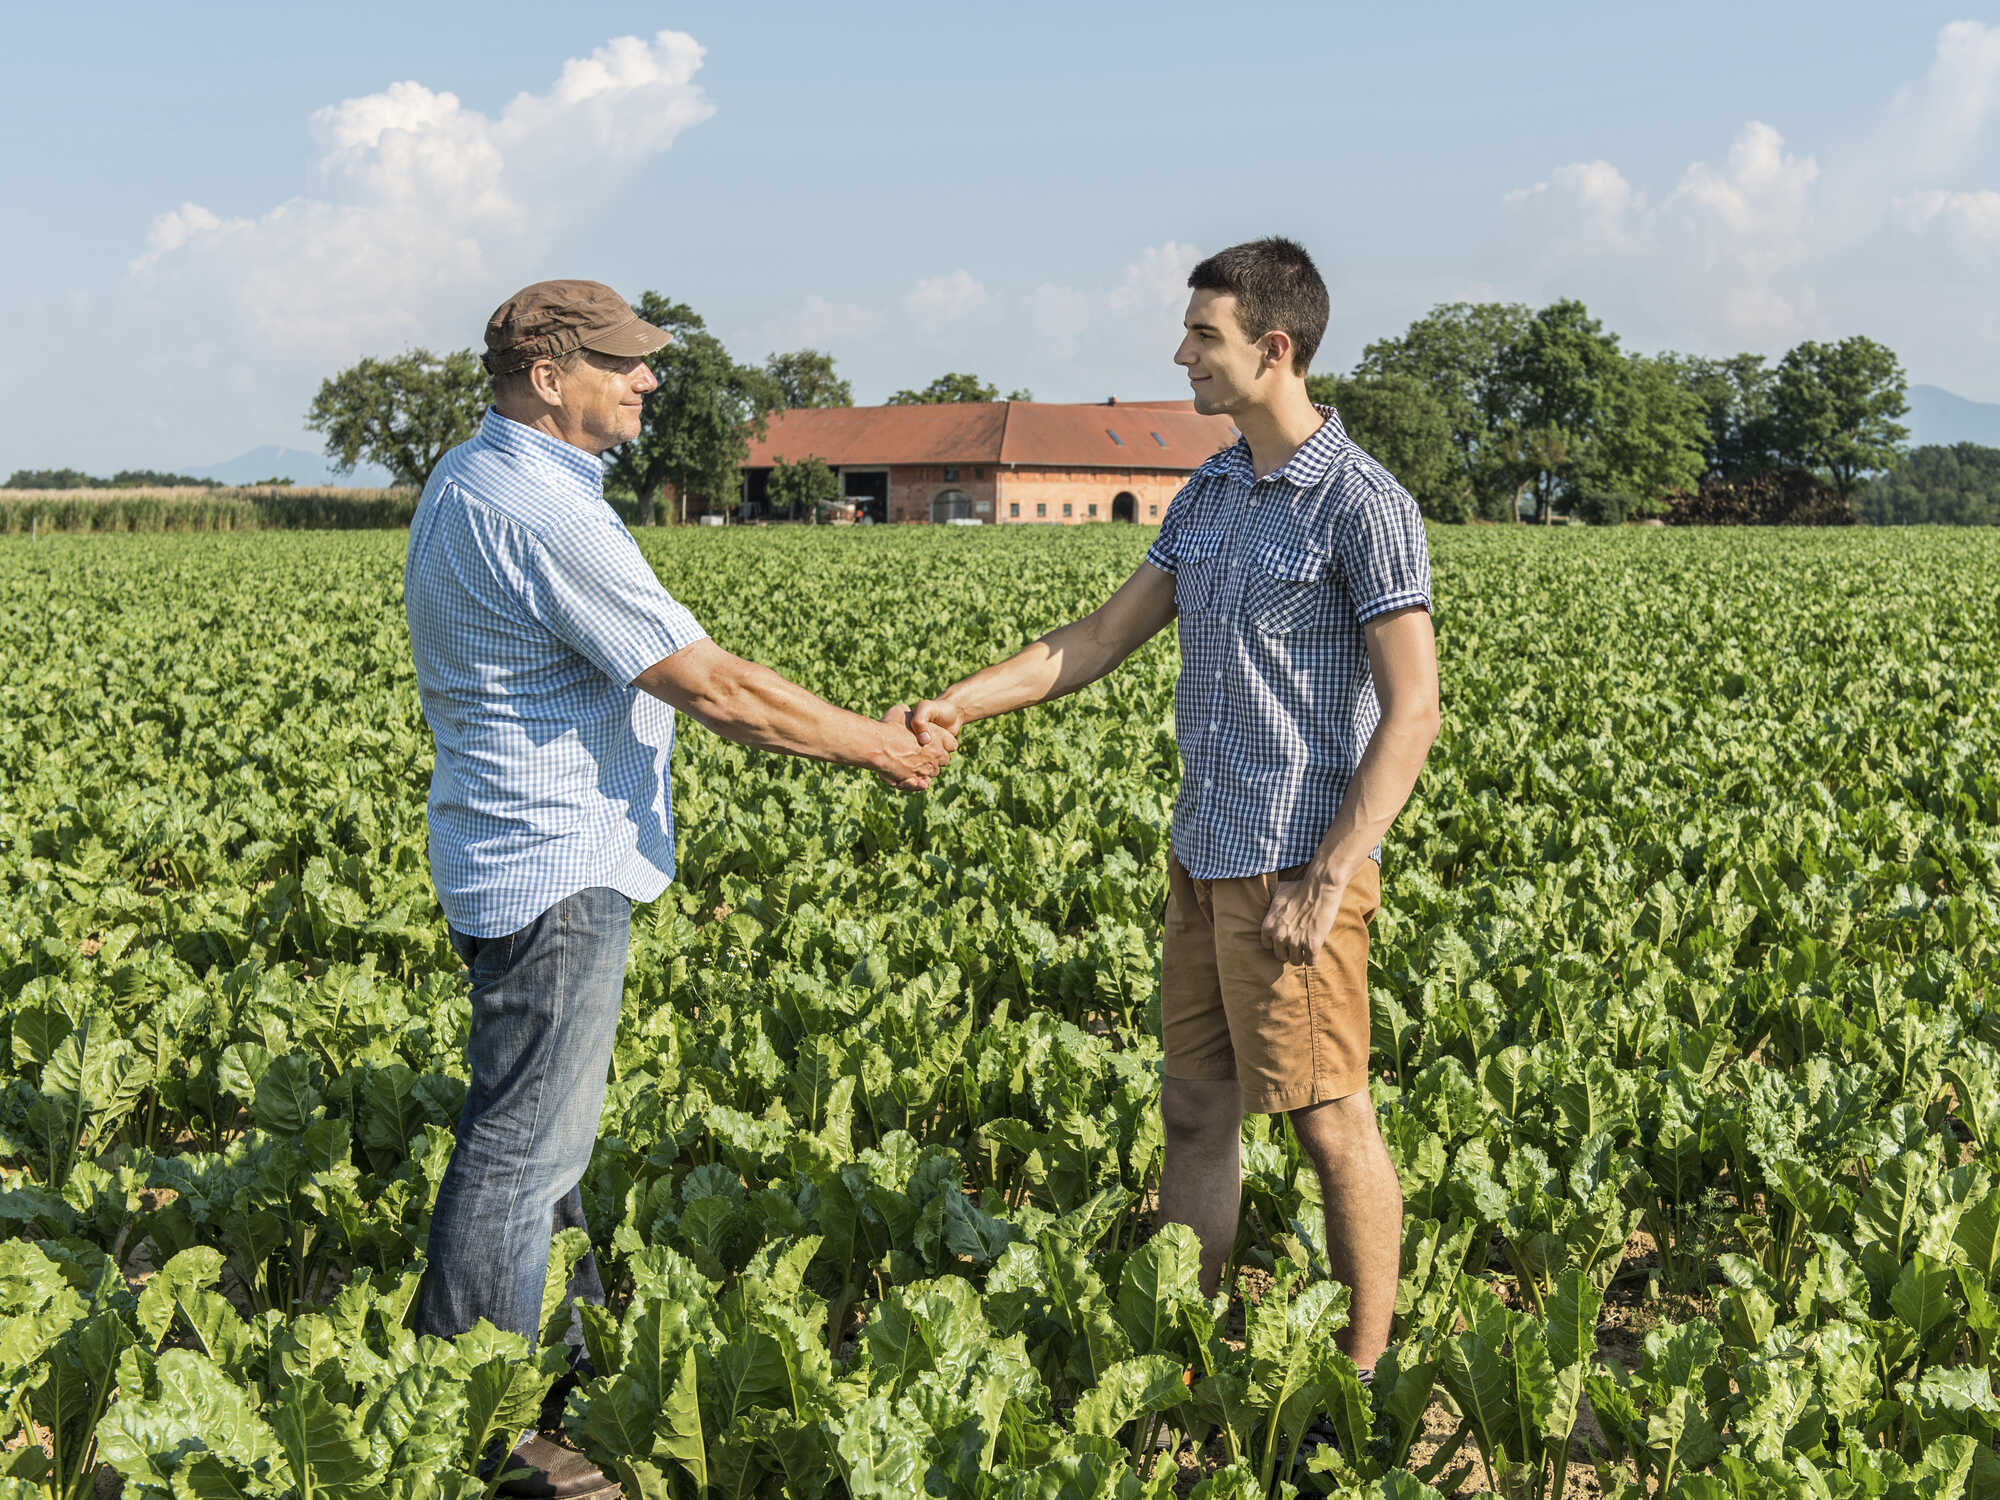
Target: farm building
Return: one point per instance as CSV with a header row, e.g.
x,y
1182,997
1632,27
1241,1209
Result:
x,y
1003,462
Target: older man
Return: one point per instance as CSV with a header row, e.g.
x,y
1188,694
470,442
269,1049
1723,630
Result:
x,y
550,662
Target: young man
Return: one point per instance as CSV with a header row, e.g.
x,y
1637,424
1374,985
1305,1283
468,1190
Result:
x,y
550,662
1306,704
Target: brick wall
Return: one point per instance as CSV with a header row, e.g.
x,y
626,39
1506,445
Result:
x,y
1039,495
913,488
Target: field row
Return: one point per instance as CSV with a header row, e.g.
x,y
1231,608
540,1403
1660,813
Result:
x,y
1686,1047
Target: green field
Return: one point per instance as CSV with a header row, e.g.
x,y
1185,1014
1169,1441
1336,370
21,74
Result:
x,y
1687,1045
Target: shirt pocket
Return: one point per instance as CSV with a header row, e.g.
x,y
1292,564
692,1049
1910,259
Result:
x,y
1288,589
1197,569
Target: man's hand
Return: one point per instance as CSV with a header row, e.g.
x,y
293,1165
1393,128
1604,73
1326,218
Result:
x,y
1302,914
938,715
911,758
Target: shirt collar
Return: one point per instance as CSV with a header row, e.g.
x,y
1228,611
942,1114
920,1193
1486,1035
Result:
x,y
1304,468
518,440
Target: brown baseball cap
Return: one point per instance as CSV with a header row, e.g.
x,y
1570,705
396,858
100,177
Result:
x,y
551,318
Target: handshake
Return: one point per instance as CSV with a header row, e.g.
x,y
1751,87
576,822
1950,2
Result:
x,y
917,742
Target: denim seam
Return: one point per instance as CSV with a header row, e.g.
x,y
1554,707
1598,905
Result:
x,y
535,1123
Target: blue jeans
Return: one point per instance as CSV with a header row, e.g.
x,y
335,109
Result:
x,y
544,1011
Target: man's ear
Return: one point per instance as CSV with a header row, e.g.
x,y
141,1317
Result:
x,y
1278,349
546,382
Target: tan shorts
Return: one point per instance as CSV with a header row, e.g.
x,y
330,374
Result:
x,y
1289,1034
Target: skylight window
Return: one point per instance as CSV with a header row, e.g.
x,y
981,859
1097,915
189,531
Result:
x,y
1114,437
1160,440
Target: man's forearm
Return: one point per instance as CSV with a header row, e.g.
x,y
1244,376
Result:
x,y
1376,793
754,706
1059,663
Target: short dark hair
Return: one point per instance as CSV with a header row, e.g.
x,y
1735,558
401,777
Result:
x,y
1276,286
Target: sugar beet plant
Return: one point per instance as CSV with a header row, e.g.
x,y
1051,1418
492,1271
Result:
x,y
1684,996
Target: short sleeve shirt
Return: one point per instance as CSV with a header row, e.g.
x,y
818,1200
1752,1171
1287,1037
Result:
x,y
531,612
1273,580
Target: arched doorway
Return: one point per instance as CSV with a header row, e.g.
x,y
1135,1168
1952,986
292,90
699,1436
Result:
x,y
1124,506
951,505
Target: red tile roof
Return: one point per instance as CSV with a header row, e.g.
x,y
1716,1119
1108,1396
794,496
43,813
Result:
x,y
1144,435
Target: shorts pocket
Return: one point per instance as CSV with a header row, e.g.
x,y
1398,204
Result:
x,y
1287,591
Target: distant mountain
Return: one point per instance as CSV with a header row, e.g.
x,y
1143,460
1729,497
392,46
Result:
x,y
1937,416
273,462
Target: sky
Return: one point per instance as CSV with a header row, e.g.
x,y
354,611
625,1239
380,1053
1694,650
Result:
x,y
212,207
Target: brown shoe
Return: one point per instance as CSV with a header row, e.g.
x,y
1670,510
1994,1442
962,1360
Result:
x,y
540,1469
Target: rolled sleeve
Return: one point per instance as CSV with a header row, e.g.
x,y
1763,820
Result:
x,y
1381,547
592,588
1163,554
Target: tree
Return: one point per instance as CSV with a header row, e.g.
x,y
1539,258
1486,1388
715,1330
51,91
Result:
x,y
404,413
1404,426
801,485
1936,485
155,479
1020,393
1735,397
697,426
805,377
124,479
1456,351
51,479
950,388
1555,381
1835,408
1647,444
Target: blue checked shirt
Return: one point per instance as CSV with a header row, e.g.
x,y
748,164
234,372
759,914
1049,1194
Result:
x,y
531,612
1273,580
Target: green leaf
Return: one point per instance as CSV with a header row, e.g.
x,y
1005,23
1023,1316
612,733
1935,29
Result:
x,y
1571,1322
323,1443
1922,1296
1130,1389
193,1408
880,1448
1160,1278
1481,1382
285,1100
503,1390
680,1434
172,1288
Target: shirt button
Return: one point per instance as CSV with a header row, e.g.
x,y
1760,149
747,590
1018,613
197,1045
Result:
x,y
1206,782
1218,674
1213,726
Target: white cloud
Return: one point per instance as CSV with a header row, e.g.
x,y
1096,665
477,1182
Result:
x,y
1588,203
1971,219
428,212
1156,280
1932,127
175,228
1761,195
1773,243
815,323
945,299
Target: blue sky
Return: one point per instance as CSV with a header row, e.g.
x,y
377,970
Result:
x,y
214,206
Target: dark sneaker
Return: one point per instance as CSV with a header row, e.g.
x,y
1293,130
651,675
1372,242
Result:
x,y
543,1470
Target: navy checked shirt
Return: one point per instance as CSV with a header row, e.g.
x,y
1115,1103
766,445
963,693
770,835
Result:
x,y
531,612
1273,580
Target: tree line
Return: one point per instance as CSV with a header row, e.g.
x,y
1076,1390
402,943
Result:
x,y
1496,411
124,479
1485,411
